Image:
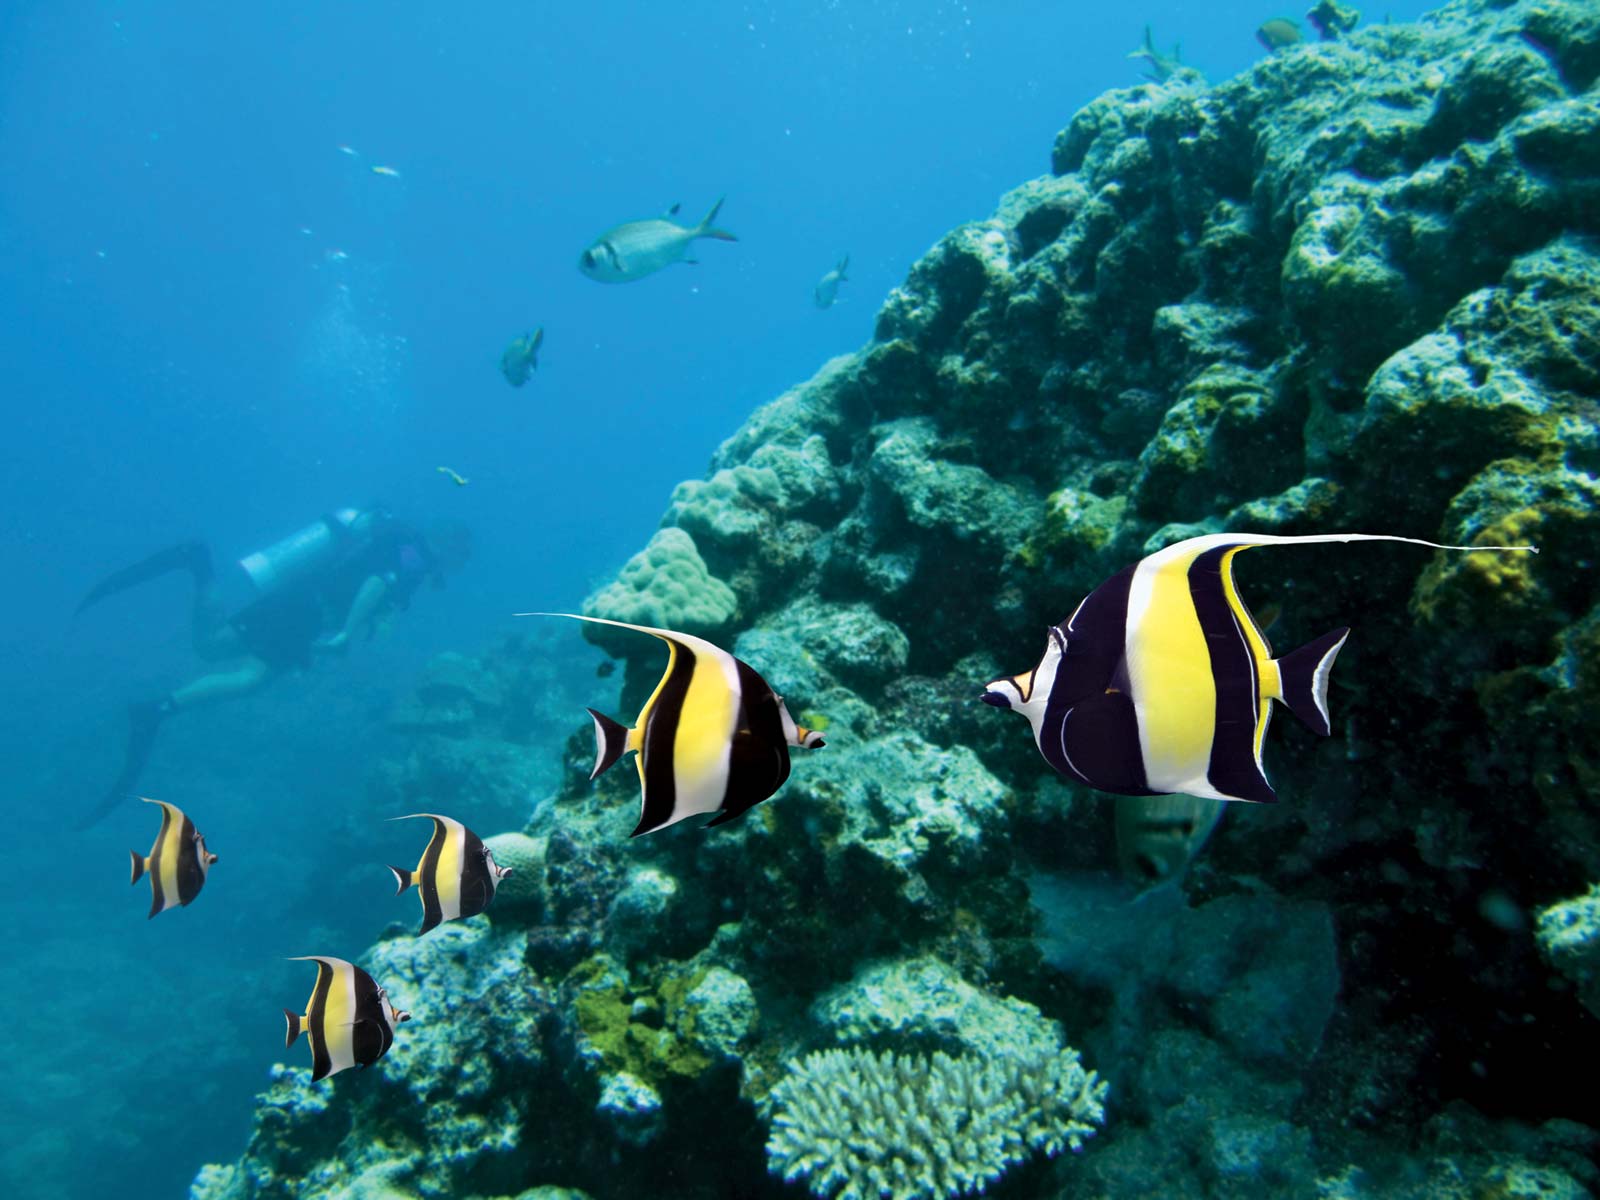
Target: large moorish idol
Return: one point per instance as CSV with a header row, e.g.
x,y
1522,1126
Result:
x,y
713,737
1159,682
349,1018
457,875
178,862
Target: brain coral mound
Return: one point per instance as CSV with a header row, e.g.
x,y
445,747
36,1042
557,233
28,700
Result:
x,y
858,1125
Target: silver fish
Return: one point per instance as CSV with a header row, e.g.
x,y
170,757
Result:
x,y
642,248
827,289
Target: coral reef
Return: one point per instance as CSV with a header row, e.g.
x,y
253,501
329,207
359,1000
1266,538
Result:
x,y
857,1125
1357,288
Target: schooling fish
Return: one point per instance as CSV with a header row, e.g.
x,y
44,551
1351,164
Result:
x,y
712,738
827,289
521,357
177,863
457,876
1159,681
349,1018
642,248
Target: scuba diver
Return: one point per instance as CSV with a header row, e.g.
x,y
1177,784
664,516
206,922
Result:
x,y
313,592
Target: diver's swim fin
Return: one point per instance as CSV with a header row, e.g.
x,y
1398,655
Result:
x,y
194,557
144,719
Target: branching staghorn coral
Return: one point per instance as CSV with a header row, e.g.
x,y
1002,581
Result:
x,y
861,1126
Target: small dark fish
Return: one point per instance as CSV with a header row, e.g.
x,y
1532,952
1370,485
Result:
x,y
1278,33
827,289
177,863
521,357
349,1018
1161,66
457,876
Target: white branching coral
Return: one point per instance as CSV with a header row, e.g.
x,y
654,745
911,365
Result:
x,y
863,1126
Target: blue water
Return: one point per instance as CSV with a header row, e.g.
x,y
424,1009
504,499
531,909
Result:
x,y
214,323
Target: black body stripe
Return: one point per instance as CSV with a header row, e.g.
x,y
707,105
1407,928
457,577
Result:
x,y
657,750
1232,770
760,762
370,1035
1103,738
316,1015
474,890
428,877
189,876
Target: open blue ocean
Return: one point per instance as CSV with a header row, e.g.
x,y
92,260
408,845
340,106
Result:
x,y
263,265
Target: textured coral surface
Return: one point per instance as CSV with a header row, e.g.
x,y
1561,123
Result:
x,y
1356,288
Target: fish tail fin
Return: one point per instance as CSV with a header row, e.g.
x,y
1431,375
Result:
x,y
1303,678
138,866
296,1026
708,229
610,741
843,264
402,880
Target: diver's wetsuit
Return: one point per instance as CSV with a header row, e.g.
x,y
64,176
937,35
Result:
x,y
281,628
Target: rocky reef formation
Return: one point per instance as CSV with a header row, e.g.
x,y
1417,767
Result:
x,y
1356,288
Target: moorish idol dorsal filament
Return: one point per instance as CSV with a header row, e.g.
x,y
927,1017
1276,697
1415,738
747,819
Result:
x,y
713,737
1160,681
457,875
349,1019
178,862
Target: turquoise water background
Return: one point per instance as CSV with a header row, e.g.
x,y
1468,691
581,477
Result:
x,y
214,323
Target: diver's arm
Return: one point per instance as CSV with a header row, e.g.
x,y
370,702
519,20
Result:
x,y
368,600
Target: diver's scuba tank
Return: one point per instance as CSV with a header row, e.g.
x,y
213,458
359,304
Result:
x,y
307,551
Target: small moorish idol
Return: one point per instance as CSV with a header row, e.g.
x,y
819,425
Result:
x,y
457,876
712,738
177,863
349,1018
1160,680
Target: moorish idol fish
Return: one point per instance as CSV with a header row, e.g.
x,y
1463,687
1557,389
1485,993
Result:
x,y
177,863
457,876
712,738
349,1018
1157,836
1159,681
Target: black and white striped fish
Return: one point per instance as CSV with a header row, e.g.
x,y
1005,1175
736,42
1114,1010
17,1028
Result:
x,y
457,876
1160,680
177,863
712,738
348,1019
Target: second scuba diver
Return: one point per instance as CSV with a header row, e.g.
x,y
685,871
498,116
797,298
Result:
x,y
314,592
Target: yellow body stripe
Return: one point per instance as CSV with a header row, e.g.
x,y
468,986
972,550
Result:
x,y
169,844
705,726
447,875
1268,684
636,734
1169,665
